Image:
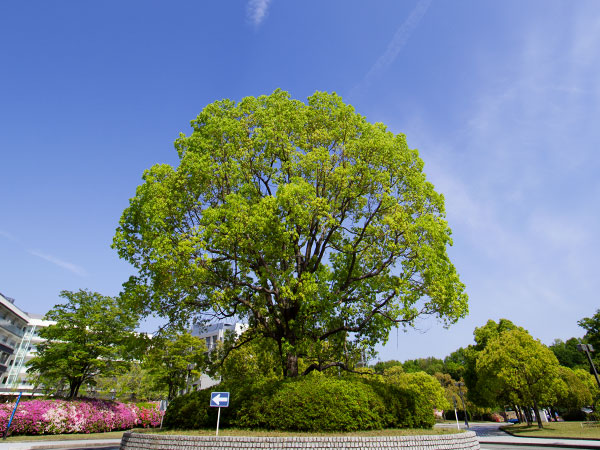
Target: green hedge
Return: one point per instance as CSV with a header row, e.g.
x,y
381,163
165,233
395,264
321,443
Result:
x,y
192,411
312,403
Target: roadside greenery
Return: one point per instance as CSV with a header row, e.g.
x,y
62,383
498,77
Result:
x,y
173,361
92,337
572,430
318,403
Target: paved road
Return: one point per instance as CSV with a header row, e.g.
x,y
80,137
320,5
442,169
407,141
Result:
x,y
513,447
480,429
112,444
84,448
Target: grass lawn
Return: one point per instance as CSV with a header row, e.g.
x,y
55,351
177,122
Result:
x,y
66,437
556,430
226,432
258,433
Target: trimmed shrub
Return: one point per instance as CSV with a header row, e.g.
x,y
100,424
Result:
x,y
77,416
314,403
189,411
574,415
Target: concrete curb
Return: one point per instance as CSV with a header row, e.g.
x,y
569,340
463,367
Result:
x,y
537,442
142,441
47,445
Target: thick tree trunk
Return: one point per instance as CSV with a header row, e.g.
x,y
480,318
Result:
x,y
74,389
537,414
517,412
527,413
520,414
172,391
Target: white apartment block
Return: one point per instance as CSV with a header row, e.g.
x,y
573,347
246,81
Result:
x,y
18,340
213,334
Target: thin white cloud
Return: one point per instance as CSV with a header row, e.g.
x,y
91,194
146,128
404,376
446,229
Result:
x,y
8,236
60,263
257,11
399,40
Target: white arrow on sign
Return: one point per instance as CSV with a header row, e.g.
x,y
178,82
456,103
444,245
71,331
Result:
x,y
218,399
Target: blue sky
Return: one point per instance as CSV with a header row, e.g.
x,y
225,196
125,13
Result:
x,y
502,99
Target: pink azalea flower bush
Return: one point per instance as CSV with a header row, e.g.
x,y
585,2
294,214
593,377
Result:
x,y
77,416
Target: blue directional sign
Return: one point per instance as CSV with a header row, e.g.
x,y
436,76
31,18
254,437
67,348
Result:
x,y
219,399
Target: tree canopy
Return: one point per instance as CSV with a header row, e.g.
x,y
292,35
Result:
x,y
92,336
567,354
518,369
174,360
315,226
591,325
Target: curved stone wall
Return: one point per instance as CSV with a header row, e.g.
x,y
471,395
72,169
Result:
x,y
147,441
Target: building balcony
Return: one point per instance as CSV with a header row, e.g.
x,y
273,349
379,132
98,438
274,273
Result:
x,y
6,325
6,349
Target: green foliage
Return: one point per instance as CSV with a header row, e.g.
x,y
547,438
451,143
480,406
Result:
x,y
468,357
91,337
414,396
514,368
568,355
451,392
491,331
456,363
134,384
591,325
318,403
577,393
316,227
250,366
173,360
428,365
381,366
314,403
192,411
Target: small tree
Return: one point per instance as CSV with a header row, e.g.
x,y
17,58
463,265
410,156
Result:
x,y
174,360
134,384
91,337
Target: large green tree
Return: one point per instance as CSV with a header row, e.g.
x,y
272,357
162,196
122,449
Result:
x,y
467,357
315,226
91,336
517,369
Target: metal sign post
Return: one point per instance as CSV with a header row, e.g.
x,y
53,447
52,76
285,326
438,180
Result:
x,y
455,413
587,348
462,399
219,400
12,416
163,409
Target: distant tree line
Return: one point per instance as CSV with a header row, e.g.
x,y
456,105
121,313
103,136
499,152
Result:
x,y
507,367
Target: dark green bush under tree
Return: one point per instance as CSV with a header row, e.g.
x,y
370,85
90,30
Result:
x,y
312,403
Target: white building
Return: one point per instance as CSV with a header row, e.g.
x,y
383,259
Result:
x,y
213,334
18,339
